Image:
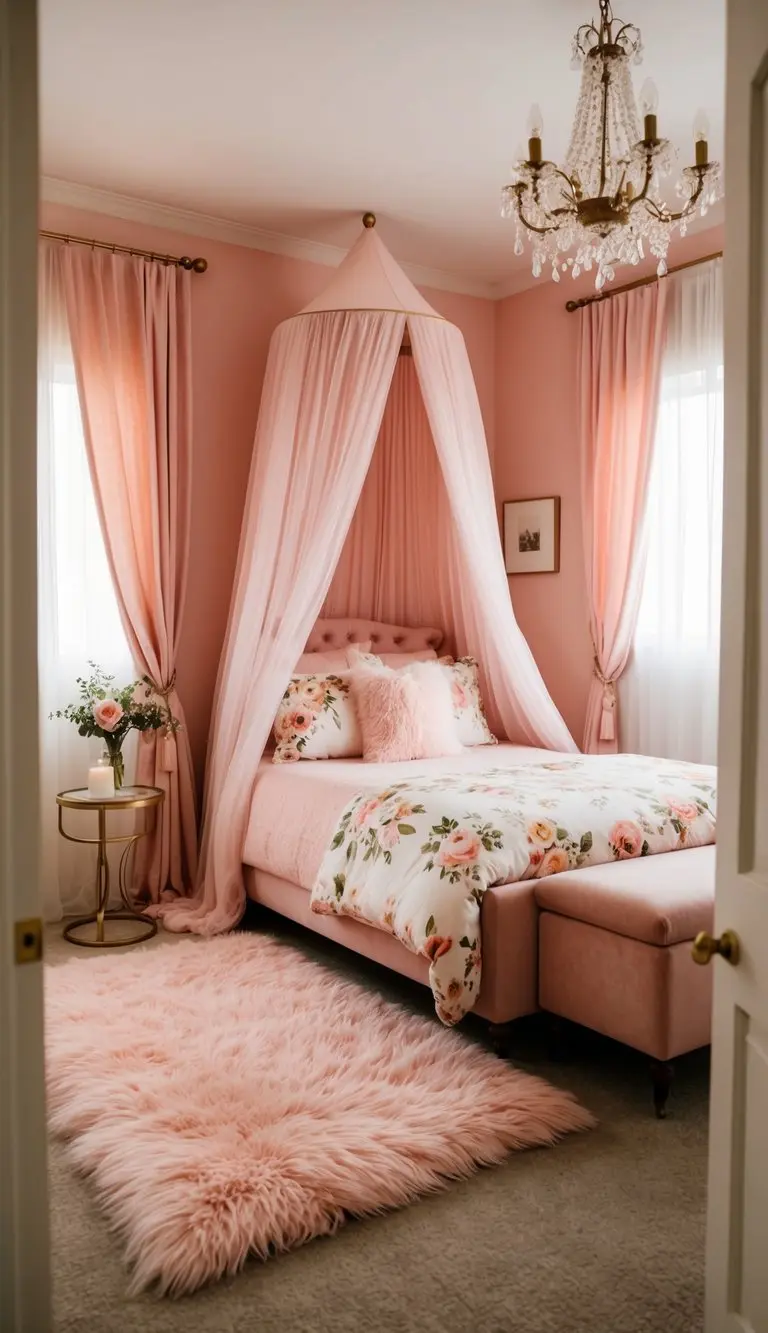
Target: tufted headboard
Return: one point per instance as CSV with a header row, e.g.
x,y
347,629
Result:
x,y
330,634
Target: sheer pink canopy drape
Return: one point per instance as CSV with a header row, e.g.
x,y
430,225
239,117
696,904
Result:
x,y
327,382
129,323
621,348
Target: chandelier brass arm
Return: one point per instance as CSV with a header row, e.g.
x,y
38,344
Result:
x,y
690,204
556,213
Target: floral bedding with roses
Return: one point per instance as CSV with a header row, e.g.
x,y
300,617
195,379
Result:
x,y
416,858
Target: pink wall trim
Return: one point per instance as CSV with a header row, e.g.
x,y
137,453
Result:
x,y
537,453
236,306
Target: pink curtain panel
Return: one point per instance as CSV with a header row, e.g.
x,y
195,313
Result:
x,y
619,373
129,323
328,377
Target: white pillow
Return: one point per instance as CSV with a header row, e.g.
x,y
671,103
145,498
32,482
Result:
x,y
317,720
468,708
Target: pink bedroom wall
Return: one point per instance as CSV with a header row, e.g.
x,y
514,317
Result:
x,y
537,453
236,306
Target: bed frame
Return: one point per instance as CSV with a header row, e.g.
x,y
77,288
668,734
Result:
x,y
642,992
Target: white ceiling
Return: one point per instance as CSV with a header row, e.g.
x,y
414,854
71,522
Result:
x,y
296,115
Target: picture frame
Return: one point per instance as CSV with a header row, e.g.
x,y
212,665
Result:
x,y
532,535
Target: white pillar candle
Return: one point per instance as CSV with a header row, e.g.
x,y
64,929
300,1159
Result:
x,y
101,780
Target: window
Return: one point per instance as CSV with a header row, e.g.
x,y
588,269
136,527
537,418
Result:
x,y
670,689
78,618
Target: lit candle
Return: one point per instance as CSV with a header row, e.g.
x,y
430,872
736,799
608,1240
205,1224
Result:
x,y
101,780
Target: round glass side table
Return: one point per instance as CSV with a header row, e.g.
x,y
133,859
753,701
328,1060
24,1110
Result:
x,y
92,931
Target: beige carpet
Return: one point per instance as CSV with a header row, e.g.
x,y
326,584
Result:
x,y
603,1234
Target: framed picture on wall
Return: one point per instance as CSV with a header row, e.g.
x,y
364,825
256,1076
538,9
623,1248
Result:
x,y
532,536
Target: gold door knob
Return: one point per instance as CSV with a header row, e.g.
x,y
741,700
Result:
x,y
705,946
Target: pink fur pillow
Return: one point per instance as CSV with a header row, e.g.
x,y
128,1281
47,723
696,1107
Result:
x,y
405,714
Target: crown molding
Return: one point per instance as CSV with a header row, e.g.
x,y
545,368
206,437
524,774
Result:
x,y
130,209
518,282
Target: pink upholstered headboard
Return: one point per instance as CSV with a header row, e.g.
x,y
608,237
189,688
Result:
x,y
330,634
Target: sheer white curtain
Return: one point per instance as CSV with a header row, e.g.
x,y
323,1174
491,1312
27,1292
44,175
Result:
x,y
78,616
669,691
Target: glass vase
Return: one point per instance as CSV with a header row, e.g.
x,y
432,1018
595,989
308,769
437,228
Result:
x,y
114,753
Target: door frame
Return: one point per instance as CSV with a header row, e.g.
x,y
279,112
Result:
x,y
24,1222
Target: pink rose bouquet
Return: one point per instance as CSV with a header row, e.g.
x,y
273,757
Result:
x,y
109,712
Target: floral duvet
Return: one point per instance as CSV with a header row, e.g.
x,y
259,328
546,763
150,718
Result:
x,y
416,858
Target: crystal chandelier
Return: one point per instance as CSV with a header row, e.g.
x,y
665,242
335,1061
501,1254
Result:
x,y
604,204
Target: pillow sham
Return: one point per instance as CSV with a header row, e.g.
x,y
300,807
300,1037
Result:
x,y
404,714
316,719
468,710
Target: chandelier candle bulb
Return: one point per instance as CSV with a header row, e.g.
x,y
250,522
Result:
x,y
535,125
649,98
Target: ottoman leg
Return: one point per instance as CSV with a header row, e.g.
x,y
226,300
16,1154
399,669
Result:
x,y
662,1074
556,1041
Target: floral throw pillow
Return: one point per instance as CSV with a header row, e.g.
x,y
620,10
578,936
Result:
x,y
468,708
317,720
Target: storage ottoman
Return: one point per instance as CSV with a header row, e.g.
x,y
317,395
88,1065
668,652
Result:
x,y
615,953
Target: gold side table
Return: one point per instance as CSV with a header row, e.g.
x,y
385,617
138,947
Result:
x,y
128,798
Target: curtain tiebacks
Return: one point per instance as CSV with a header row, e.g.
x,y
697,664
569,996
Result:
x,y
166,752
607,716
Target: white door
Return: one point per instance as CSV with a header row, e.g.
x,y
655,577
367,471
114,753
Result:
x,y
737,1243
24,1283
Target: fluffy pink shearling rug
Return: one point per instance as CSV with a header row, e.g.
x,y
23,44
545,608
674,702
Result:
x,y
230,1097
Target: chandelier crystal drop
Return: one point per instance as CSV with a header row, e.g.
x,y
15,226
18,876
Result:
x,y
604,206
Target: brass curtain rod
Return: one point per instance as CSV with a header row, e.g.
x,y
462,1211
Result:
x,y
196,265
640,282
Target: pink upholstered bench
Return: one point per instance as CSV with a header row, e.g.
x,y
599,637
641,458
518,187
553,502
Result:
x,y
615,953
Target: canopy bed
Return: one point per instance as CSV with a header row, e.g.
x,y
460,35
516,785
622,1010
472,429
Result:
x,y
371,507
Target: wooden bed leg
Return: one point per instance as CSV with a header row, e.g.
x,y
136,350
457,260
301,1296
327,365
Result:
x,y
662,1074
500,1034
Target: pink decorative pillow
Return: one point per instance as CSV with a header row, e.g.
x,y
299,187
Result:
x,y
405,714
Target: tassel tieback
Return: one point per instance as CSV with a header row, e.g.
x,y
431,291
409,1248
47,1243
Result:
x,y
167,756
607,716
